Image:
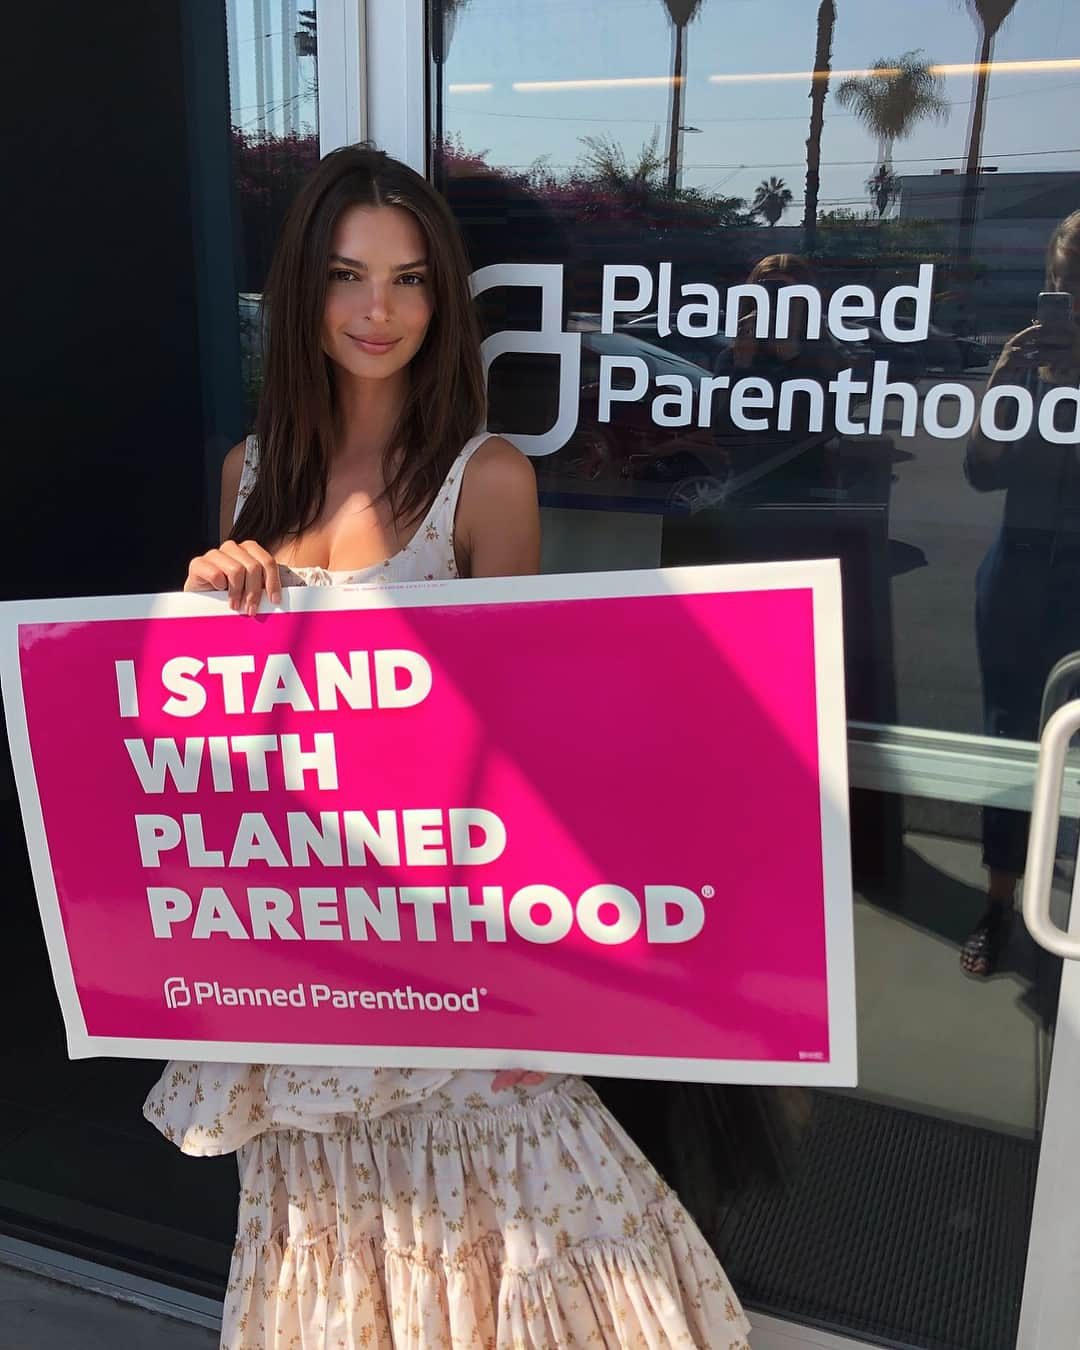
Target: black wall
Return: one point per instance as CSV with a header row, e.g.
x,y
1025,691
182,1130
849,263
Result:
x,y
103,445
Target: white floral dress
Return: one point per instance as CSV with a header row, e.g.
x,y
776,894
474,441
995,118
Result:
x,y
422,1209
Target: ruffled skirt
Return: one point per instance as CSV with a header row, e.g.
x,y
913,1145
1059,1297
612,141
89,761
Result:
x,y
532,1225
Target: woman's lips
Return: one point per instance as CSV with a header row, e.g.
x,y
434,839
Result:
x,y
373,346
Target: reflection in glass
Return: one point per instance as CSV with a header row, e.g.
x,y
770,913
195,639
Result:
x,y
273,98
842,147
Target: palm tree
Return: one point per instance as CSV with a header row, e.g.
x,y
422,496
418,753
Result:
x,y
772,199
892,97
883,187
819,89
989,15
682,13
305,39
605,161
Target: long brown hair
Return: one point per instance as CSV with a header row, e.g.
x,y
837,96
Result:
x,y
1064,245
445,403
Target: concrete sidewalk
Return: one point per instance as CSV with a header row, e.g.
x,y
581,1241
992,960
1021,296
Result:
x,y
40,1314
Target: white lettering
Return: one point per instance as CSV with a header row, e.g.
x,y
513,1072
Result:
x,y
322,759
595,901
882,390
708,312
850,302
687,904
156,835
165,761
387,690
965,417
465,914
922,294
751,392
681,404
280,682
332,679
609,394
231,670
178,677
168,906
1025,413
1048,429
610,305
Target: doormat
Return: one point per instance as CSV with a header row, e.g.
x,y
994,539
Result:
x,y
902,1228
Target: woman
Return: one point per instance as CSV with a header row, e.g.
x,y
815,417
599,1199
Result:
x,y
388,1208
1026,612
760,455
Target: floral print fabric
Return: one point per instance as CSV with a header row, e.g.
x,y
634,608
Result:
x,y
529,1225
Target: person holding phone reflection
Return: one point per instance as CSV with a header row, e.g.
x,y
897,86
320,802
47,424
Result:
x,y
798,449
1027,612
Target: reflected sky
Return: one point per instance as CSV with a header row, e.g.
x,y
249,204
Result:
x,y
750,129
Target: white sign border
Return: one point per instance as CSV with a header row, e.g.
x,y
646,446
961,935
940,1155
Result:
x,y
821,577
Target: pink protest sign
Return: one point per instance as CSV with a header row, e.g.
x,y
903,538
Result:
x,y
590,824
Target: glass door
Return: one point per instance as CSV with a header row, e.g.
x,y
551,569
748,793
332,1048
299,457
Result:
x,y
890,187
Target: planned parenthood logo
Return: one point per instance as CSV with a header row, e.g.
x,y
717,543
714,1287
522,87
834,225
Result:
x,y
177,992
550,340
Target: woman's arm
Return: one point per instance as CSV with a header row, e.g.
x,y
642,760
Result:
x,y
231,472
497,531
244,570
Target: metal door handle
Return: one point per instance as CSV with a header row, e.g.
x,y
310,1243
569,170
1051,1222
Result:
x,y
1042,838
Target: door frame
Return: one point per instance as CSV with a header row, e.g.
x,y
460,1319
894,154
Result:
x,y
377,88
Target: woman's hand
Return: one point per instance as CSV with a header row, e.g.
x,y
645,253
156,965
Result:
x,y
244,570
510,1078
1043,344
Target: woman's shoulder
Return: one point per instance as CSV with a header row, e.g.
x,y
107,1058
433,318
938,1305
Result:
x,y
498,466
237,471
233,465
498,518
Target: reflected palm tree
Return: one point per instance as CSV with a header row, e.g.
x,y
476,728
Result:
x,y
883,187
682,13
989,15
892,98
819,89
772,199
606,161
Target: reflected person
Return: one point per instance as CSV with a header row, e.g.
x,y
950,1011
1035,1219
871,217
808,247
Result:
x,y
1027,615
775,360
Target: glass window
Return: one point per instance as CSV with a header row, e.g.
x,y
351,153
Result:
x,y
884,183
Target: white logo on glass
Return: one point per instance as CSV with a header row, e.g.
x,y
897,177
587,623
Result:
x,y
550,340
177,993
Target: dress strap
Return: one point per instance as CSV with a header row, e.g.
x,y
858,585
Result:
x,y
248,475
444,508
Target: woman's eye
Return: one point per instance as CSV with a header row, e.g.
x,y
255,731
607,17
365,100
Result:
x,y
411,279
342,274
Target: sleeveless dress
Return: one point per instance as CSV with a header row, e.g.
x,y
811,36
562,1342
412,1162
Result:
x,y
421,1209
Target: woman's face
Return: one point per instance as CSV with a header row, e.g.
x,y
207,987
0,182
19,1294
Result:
x,y
787,347
1065,276
378,293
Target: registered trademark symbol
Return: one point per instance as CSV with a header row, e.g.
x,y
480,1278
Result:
x,y
483,993
708,892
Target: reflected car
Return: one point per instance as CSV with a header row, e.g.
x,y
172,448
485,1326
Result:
x,y
939,351
707,351
633,446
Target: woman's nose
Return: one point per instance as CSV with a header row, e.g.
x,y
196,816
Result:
x,y
378,301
